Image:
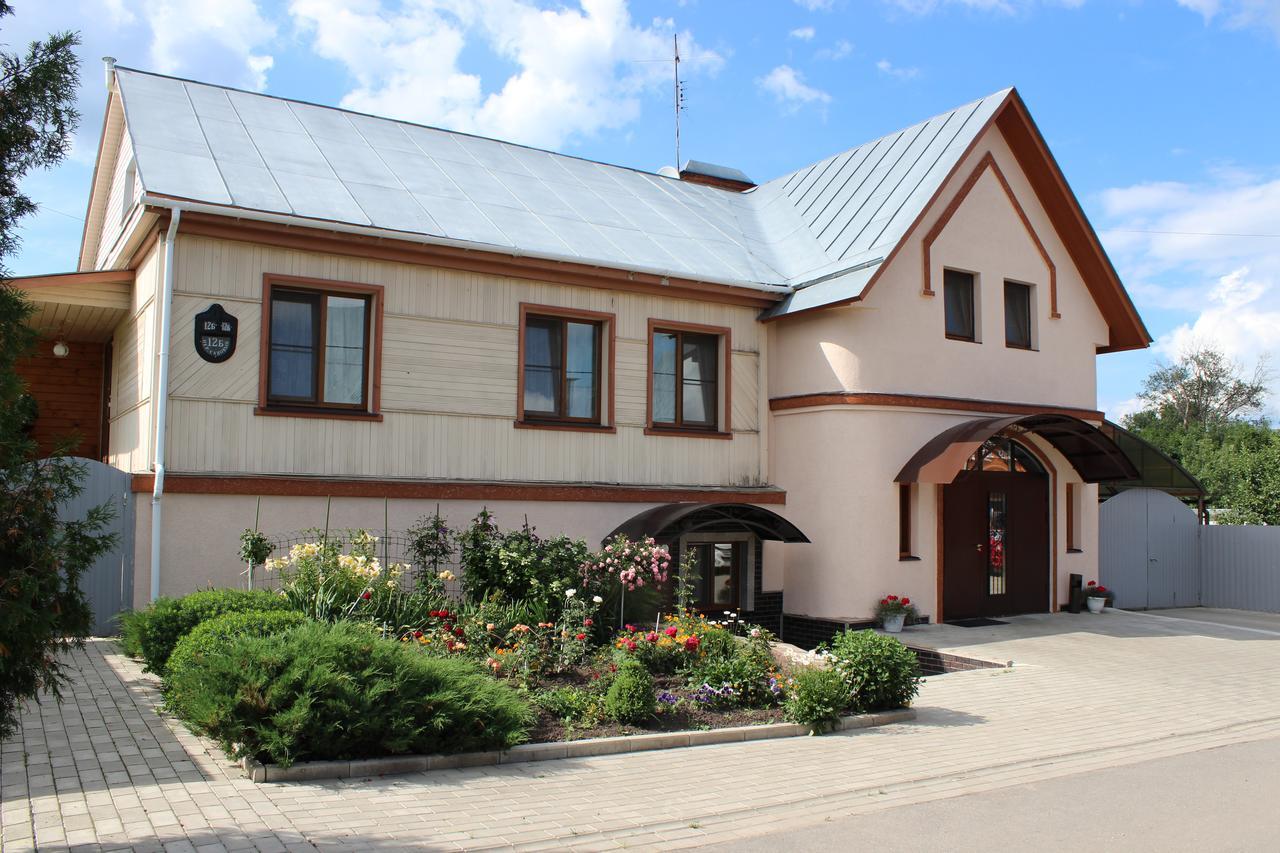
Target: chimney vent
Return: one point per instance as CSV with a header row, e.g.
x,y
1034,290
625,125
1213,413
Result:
x,y
109,66
724,177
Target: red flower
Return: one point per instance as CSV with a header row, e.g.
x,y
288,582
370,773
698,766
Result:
x,y
630,627
672,631
692,644
630,645
458,632
587,622
417,635
1092,583
1101,589
579,636
435,613
448,627
905,601
366,595
651,637
892,598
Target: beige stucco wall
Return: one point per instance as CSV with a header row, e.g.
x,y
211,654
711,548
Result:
x,y
838,463
449,381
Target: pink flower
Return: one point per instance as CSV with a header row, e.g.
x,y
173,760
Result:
x,y
651,637
587,622
630,627
672,631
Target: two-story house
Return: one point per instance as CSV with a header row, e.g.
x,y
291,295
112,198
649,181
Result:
x,y
872,375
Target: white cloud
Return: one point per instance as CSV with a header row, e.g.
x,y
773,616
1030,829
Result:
x,y
816,5
1180,249
838,51
1238,14
899,73
803,33
186,34
788,88
574,69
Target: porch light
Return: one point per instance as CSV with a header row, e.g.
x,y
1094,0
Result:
x,y
61,350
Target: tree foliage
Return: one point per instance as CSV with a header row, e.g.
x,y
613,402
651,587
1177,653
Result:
x,y
1198,412
37,118
42,609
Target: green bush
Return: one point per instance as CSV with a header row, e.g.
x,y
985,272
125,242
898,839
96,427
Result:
x,y
211,638
573,705
132,623
631,698
747,667
817,698
519,565
159,628
339,691
879,671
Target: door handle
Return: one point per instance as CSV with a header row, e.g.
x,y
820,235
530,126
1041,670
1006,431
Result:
x,y
979,546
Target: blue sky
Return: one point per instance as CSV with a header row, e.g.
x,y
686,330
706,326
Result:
x,y
1162,113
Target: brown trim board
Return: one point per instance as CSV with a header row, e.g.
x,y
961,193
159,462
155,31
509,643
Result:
x,y
918,401
317,239
284,486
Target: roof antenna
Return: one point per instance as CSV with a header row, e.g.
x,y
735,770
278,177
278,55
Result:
x,y
678,92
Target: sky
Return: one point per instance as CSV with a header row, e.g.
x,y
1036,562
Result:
x,y
1163,114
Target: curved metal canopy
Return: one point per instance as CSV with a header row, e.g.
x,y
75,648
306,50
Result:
x,y
678,519
1096,458
1157,469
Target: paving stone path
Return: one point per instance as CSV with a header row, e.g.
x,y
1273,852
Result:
x,y
104,771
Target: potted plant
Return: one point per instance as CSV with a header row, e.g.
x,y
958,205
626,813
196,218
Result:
x,y
1097,596
893,612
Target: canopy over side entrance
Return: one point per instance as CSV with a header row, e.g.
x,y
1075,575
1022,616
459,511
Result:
x,y
678,519
1089,450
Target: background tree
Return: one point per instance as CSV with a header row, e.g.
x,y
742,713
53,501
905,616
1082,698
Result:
x,y
42,609
1203,411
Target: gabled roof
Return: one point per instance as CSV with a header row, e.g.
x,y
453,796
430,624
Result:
x,y
817,236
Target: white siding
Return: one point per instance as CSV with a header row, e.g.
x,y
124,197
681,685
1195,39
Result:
x,y
122,189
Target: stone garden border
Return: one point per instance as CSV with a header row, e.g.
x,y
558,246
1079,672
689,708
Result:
x,y
308,771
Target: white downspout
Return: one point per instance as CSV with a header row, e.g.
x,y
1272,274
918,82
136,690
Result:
x,y
161,395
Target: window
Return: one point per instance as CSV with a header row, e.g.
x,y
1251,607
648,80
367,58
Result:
x,y
905,551
562,380
719,567
685,381
1017,315
318,353
997,510
129,190
1073,528
958,296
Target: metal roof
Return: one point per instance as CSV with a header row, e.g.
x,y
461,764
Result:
x,y
821,229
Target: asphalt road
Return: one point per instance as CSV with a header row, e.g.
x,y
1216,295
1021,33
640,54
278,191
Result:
x,y
1225,799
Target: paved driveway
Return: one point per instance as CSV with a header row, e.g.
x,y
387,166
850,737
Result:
x,y
1086,692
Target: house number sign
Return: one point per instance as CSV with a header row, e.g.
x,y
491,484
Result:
x,y
215,334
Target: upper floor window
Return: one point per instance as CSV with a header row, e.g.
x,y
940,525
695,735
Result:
x,y
562,359
688,378
958,296
318,352
1017,315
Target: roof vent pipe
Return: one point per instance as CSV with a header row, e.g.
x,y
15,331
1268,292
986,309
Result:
x,y
109,66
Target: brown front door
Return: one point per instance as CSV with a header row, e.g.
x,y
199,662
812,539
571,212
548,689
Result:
x,y
995,523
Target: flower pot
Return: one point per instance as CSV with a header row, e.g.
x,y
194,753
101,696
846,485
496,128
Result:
x,y
1096,603
893,624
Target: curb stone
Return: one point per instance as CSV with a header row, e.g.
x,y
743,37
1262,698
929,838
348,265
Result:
x,y
310,771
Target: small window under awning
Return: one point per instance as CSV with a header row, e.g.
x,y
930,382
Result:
x,y
1096,458
674,520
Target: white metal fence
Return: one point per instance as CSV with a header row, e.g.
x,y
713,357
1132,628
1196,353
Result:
x,y
1155,554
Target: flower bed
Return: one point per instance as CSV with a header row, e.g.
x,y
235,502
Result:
x,y
361,665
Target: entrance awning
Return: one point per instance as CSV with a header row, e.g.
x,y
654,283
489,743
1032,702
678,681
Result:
x,y
1096,458
673,520
78,306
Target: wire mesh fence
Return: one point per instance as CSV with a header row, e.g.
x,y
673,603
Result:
x,y
390,547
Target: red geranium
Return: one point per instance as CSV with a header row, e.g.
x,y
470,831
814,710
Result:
x,y
905,600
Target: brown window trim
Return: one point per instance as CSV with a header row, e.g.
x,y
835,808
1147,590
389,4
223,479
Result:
x,y
370,409
905,553
725,397
604,422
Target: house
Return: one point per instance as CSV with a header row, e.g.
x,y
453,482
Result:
x,y
873,375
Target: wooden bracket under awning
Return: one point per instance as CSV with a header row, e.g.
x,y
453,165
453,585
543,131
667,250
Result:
x,y
1096,458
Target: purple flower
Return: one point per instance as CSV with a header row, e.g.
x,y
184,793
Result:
x,y
668,698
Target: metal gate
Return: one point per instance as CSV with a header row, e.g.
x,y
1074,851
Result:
x,y
1149,550
108,583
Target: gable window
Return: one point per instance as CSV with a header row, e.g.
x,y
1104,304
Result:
x,y
688,379
958,296
562,359
129,190
1017,315
318,352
